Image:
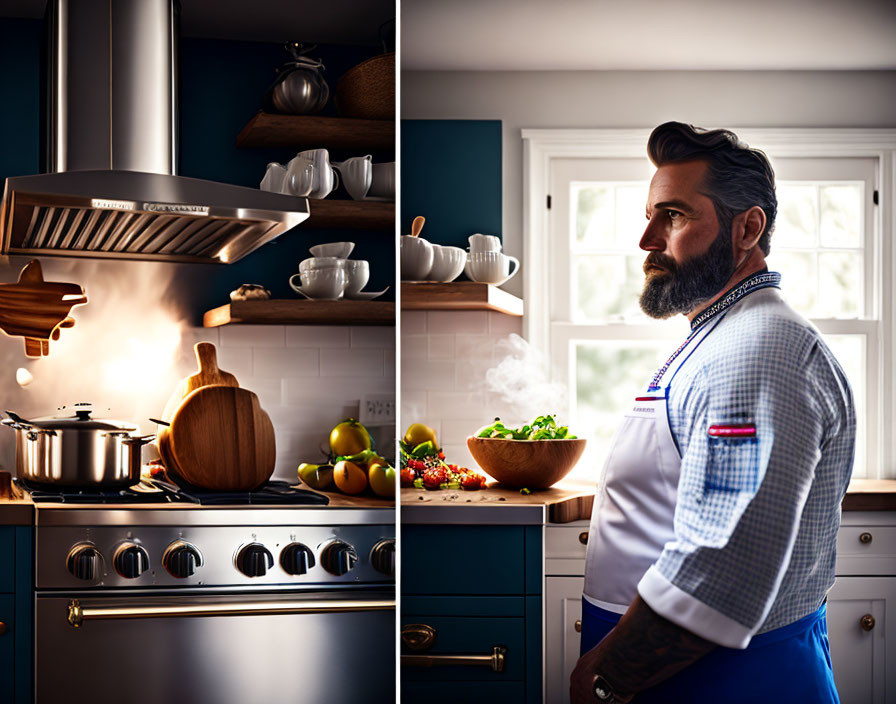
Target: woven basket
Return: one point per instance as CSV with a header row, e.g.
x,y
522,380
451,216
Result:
x,y
368,90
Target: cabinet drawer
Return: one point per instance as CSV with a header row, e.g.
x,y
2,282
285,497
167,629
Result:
x,y
469,635
866,550
454,692
442,559
564,548
7,559
7,648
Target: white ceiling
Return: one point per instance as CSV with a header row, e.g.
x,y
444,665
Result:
x,y
550,35
321,21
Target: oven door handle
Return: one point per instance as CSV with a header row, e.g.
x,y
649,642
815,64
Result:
x,y
77,614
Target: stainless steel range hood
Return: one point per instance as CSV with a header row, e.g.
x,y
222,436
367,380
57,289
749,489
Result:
x,y
112,148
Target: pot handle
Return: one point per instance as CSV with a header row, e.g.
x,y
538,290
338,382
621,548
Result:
x,y
16,422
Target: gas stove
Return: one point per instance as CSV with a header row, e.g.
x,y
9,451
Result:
x,y
240,589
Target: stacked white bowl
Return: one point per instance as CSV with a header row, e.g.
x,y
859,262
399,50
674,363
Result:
x,y
329,274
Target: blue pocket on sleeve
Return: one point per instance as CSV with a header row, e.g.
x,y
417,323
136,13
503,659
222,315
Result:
x,y
733,464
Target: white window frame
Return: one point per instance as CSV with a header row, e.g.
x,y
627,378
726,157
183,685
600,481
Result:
x,y
541,146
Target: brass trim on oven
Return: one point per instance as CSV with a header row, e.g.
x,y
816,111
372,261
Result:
x,y
495,661
77,614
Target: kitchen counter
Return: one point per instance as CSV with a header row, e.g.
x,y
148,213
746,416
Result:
x,y
496,505
569,501
16,511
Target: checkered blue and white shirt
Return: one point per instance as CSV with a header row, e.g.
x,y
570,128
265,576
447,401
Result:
x,y
756,518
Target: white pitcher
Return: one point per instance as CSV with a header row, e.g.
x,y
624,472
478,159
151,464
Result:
x,y
357,173
299,179
325,180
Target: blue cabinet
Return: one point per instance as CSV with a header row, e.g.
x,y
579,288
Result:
x,y
15,614
476,588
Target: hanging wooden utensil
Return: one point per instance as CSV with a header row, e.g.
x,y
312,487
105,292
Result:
x,y
36,309
209,373
417,226
221,439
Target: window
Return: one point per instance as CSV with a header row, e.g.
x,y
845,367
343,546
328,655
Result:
x,y
827,246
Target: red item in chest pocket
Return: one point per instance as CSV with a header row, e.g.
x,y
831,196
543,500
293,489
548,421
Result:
x,y
740,430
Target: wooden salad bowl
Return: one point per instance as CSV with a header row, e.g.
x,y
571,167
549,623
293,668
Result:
x,y
530,464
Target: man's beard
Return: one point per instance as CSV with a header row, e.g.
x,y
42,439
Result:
x,y
685,286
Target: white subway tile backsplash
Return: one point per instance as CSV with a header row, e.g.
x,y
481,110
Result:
x,y
460,321
373,336
389,362
322,391
456,432
253,336
479,347
236,360
318,336
413,407
268,390
413,322
459,455
503,324
442,346
425,374
414,347
190,336
454,405
286,362
351,362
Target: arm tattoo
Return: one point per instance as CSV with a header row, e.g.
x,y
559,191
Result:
x,y
644,649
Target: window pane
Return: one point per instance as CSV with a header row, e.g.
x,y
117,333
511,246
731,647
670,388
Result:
x,y
799,279
850,352
841,219
608,286
631,201
840,285
796,223
593,216
608,376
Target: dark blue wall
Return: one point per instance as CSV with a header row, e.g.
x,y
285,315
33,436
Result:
x,y
451,175
222,84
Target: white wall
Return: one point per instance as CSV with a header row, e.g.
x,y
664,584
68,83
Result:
x,y
642,99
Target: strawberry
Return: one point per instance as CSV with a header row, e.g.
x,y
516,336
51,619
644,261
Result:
x,y
433,478
407,477
472,481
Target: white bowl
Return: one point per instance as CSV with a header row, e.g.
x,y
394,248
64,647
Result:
x,y
416,258
447,264
315,263
333,249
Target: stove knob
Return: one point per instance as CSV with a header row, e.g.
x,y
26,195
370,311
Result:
x,y
83,561
254,560
338,557
131,560
182,559
296,559
382,557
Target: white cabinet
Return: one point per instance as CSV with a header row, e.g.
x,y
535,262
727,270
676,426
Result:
x,y
859,630
866,586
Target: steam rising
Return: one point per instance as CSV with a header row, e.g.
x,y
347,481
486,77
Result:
x,y
123,355
521,380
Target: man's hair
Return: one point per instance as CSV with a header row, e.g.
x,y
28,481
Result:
x,y
737,177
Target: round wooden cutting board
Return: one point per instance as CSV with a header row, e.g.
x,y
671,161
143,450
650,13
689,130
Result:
x,y
209,374
221,439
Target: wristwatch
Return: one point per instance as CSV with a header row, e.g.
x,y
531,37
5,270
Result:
x,y
603,692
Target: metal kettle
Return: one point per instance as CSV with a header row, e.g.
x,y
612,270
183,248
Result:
x,y
300,88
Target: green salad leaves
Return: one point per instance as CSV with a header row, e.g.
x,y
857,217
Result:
x,y
542,428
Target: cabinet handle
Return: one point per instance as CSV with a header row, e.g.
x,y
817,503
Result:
x,y
578,625
495,661
418,636
867,622
2,628
865,538
583,538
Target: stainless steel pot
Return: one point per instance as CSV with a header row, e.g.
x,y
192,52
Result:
x,y
74,450
300,88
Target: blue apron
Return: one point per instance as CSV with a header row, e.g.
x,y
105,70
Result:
x,y
789,665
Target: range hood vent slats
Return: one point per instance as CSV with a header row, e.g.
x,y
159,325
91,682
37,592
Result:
x,y
73,228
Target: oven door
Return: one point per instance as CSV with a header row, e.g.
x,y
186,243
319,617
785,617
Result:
x,y
284,648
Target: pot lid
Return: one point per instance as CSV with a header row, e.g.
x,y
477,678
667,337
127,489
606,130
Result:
x,y
77,416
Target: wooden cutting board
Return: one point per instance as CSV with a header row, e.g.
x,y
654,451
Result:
x,y
221,439
209,374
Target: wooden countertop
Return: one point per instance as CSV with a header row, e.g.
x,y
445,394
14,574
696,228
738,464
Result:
x,y
572,500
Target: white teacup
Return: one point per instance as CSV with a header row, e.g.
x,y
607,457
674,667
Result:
x,y
325,180
447,263
274,178
357,272
326,284
299,177
491,267
318,263
484,243
416,258
356,173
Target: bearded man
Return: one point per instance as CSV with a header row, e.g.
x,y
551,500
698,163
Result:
x,y
712,540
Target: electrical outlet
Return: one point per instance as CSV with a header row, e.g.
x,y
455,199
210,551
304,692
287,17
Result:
x,y
377,409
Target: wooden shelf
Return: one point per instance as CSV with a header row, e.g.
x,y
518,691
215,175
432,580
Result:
x,y
314,132
350,214
459,295
301,312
